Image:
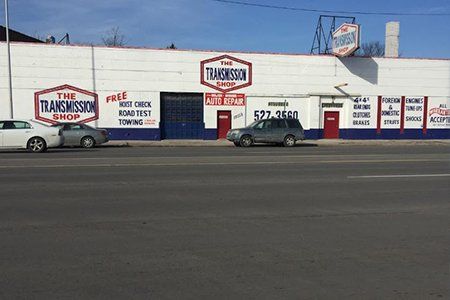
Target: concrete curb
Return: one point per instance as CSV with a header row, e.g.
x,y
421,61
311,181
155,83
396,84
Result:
x,y
225,143
169,143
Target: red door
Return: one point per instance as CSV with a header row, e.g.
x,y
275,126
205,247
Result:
x,y
331,125
223,123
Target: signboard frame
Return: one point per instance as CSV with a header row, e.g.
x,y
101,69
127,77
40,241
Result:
x,y
354,47
203,81
61,88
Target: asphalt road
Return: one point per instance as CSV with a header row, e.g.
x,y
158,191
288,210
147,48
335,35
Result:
x,y
336,222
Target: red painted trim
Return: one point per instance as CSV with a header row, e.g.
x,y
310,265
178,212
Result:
x,y
379,115
36,106
402,115
202,72
425,115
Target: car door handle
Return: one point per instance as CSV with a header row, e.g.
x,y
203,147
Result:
x,y
27,131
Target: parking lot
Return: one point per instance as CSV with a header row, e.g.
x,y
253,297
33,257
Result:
x,y
308,222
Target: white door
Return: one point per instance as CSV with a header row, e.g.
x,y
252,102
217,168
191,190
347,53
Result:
x,y
15,133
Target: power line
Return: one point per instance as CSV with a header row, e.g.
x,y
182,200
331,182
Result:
x,y
330,11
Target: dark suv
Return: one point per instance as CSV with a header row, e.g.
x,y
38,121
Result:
x,y
283,131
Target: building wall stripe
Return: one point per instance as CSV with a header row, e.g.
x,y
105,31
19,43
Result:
x,y
425,115
402,115
379,115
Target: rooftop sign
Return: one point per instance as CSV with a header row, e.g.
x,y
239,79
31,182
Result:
x,y
346,39
226,73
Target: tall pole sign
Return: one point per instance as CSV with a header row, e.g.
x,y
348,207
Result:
x,y
8,47
346,40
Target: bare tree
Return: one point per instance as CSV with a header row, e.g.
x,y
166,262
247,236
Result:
x,y
113,37
172,46
371,49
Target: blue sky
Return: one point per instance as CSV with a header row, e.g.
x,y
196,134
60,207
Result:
x,y
205,24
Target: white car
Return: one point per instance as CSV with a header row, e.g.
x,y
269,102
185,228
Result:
x,y
28,134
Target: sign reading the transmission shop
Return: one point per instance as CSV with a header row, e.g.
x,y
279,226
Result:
x,y
226,73
65,103
346,39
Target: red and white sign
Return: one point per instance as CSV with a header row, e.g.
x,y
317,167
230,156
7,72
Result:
x,y
438,114
66,103
224,99
226,73
413,112
440,111
390,112
346,39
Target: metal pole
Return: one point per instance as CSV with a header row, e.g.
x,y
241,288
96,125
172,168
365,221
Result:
x,y
9,60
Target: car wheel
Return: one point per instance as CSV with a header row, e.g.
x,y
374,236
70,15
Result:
x,y
237,144
37,145
289,141
87,142
246,141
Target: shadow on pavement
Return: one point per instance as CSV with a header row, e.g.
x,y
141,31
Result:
x,y
52,150
298,145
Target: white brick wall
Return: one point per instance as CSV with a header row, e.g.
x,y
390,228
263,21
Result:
x,y
144,73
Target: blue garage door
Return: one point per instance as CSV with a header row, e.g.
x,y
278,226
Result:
x,y
182,116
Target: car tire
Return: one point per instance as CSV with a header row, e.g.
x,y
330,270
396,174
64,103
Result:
x,y
289,141
237,144
246,141
36,145
88,142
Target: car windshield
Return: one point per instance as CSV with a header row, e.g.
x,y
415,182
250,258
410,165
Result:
x,y
79,126
253,124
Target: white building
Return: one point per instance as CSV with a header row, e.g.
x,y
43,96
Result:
x,y
153,94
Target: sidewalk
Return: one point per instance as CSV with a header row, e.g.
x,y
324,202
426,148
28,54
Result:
x,y
225,143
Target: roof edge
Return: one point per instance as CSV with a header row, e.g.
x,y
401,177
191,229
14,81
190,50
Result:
x,y
221,51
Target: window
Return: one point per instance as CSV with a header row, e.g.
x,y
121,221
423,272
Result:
x,y
15,125
267,124
293,123
1,124
9,125
21,125
76,127
67,127
259,125
278,123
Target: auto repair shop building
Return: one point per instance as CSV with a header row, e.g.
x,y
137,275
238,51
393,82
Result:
x,y
153,94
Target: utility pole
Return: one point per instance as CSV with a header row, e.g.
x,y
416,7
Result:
x,y
8,46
